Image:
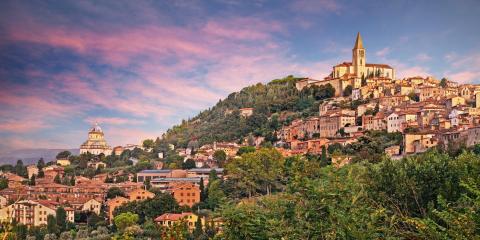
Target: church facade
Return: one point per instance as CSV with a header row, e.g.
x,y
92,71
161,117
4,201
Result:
x,y
355,73
96,143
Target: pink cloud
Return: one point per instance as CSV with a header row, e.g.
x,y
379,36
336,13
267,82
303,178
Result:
x,y
241,29
121,136
464,69
464,76
383,52
411,71
171,69
422,57
22,125
113,121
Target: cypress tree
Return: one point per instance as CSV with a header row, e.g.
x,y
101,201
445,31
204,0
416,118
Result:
x,y
32,180
203,194
57,179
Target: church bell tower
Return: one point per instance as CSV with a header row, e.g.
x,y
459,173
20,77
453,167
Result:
x,y
358,61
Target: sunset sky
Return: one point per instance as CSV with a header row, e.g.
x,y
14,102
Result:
x,y
138,67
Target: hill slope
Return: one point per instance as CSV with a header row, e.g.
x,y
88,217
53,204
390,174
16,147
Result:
x,y
274,103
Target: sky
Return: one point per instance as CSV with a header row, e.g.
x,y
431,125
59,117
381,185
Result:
x,y
139,67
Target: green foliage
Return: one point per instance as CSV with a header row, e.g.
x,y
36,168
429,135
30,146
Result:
x,y
63,155
443,83
20,169
114,192
370,147
148,143
124,220
52,224
178,230
3,183
413,96
57,179
150,208
215,194
189,164
257,172
224,123
426,196
245,149
220,156
61,217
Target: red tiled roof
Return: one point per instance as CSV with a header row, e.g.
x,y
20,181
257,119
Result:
x,y
347,64
172,216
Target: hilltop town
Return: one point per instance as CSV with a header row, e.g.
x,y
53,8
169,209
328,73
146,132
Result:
x,y
203,174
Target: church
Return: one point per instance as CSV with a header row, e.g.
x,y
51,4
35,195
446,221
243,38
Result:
x,y
96,143
355,73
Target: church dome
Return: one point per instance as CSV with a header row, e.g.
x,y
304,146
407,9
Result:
x,y
96,128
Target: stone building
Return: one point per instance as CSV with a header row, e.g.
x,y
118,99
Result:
x,y
96,143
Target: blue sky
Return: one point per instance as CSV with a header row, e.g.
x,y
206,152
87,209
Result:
x,y
138,67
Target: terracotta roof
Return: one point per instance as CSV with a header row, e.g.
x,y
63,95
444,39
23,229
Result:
x,y
117,198
14,177
378,65
172,216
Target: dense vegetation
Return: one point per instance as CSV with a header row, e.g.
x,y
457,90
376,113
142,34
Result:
x,y
275,103
429,196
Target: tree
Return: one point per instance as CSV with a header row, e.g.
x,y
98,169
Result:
x,y
125,220
32,180
147,184
41,174
57,179
51,224
198,231
216,196
3,183
63,155
66,180
364,80
114,192
414,97
148,143
220,156
257,172
20,231
189,164
443,83
40,163
61,217
72,180
92,220
150,208
20,169
323,159
245,149
203,193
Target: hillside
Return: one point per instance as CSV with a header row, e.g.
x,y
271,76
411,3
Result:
x,y
31,155
275,103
